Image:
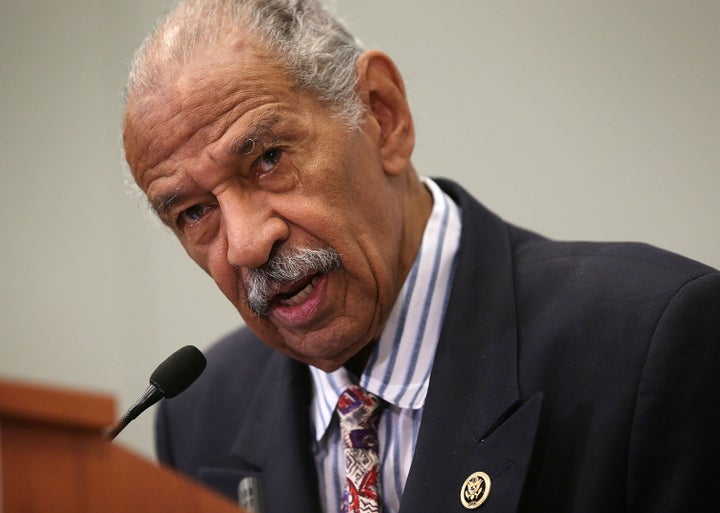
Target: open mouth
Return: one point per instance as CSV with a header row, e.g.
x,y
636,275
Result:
x,y
291,284
297,292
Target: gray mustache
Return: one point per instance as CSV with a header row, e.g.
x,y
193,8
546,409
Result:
x,y
283,267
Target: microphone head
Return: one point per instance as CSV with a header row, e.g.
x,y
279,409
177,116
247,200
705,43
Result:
x,y
178,371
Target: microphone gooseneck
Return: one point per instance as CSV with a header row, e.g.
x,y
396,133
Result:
x,y
170,378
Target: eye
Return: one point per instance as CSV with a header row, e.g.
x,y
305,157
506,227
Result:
x,y
193,215
269,160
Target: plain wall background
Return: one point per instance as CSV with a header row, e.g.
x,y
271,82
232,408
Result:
x,y
578,119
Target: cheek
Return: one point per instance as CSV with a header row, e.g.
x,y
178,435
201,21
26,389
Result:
x,y
227,280
212,259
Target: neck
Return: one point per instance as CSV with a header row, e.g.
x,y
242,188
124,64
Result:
x,y
417,204
356,365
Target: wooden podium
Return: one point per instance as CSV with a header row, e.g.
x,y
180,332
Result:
x,y
53,459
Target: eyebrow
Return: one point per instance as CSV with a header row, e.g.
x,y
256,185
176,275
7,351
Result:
x,y
261,135
164,204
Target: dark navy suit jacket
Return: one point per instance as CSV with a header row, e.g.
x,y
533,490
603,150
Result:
x,y
581,377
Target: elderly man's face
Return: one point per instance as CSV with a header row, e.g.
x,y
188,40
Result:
x,y
242,165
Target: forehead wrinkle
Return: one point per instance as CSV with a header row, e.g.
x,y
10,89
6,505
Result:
x,y
235,88
145,131
207,105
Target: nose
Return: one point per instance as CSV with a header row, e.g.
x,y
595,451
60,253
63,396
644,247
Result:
x,y
251,227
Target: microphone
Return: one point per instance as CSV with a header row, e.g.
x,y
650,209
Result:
x,y
171,377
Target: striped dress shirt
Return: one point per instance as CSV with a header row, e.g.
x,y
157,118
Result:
x,y
398,369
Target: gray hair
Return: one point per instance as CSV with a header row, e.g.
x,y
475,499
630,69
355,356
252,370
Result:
x,y
317,49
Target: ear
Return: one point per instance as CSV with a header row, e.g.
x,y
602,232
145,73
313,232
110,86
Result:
x,y
381,88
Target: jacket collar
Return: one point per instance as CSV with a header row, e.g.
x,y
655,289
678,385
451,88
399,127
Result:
x,y
474,418
478,351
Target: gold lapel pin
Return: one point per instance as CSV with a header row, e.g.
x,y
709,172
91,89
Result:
x,y
475,490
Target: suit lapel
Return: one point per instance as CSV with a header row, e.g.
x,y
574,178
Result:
x,y
474,419
275,439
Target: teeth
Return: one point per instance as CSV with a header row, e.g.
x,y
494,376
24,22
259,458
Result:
x,y
300,296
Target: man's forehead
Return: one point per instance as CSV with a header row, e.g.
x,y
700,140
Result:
x,y
203,99
213,74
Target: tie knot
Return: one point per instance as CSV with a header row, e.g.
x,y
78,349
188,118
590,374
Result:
x,y
358,412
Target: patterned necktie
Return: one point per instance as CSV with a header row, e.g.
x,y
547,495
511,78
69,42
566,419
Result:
x,y
358,411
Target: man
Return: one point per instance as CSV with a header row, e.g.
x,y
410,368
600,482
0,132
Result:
x,y
514,373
